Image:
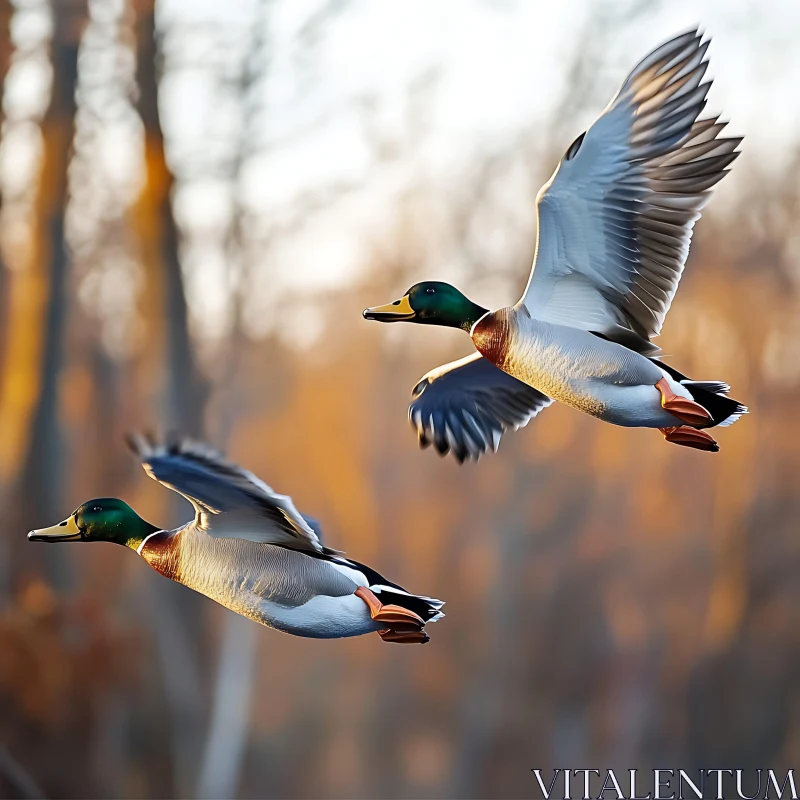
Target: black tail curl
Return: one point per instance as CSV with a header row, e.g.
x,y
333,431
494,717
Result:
x,y
711,395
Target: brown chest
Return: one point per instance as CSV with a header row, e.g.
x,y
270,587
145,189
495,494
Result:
x,y
491,334
162,552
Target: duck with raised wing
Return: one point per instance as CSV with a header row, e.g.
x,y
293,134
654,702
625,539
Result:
x,y
250,549
614,225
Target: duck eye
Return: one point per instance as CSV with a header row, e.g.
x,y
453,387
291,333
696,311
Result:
x,y
97,508
430,291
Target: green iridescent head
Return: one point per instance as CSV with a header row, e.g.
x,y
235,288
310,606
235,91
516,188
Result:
x,y
106,519
430,303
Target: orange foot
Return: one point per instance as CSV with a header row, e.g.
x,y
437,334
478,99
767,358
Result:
x,y
404,637
396,617
690,437
685,410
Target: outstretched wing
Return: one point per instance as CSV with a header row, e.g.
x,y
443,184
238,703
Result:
x,y
229,501
616,217
466,406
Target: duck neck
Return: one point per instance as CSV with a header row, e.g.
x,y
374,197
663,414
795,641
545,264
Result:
x,y
473,313
136,531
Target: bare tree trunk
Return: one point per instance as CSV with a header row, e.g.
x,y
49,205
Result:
x,y
186,390
487,702
40,485
230,715
6,12
182,399
228,725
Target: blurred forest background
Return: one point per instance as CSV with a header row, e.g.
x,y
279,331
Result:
x,y
198,200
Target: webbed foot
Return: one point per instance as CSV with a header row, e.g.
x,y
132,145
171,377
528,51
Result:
x,y
690,437
404,637
685,410
396,617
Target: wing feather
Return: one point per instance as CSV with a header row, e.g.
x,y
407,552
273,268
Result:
x,y
616,217
229,501
465,407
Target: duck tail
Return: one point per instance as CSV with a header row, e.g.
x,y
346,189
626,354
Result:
x,y
712,395
429,608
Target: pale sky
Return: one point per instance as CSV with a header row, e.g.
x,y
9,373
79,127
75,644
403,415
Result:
x,y
499,66
495,69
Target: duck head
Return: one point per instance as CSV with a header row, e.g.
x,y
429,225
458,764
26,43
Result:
x,y
106,519
430,303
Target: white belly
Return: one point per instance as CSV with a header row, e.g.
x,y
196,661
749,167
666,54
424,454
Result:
x,y
321,617
322,607
634,406
591,379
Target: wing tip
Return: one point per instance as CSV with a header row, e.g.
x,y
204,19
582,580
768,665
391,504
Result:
x,y
668,49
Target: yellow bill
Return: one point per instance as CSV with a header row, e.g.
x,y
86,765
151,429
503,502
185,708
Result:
x,y
66,531
392,312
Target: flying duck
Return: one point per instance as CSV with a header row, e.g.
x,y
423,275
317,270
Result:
x,y
251,550
614,225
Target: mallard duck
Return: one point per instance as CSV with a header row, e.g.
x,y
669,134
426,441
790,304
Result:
x,y
614,225
250,549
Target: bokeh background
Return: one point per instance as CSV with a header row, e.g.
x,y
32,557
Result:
x,y
198,200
